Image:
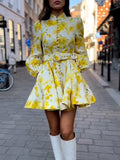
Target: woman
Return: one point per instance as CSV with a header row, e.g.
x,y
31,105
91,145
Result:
x,y
12,60
57,59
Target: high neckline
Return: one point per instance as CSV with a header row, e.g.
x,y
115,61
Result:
x,y
61,16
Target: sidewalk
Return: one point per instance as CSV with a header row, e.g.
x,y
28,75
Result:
x,y
24,132
110,86
114,83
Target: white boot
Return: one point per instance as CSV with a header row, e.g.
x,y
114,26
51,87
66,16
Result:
x,y
56,145
69,149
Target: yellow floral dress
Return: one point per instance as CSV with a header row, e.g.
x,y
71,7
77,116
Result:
x,y
58,57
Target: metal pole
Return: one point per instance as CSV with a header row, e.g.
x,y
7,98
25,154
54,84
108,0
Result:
x,y
94,65
102,69
109,75
102,65
119,77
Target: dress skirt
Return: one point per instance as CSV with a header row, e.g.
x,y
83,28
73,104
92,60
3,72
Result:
x,y
59,86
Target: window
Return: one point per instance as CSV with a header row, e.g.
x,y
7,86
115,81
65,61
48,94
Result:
x,y
11,34
37,9
11,2
1,18
29,2
19,5
2,42
19,41
34,4
26,21
30,24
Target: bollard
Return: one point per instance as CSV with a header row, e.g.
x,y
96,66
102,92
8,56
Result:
x,y
109,77
102,66
102,69
108,73
94,65
119,78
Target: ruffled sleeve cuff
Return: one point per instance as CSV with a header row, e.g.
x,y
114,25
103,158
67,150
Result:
x,y
83,62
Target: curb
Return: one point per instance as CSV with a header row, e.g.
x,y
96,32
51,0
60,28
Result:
x,y
112,92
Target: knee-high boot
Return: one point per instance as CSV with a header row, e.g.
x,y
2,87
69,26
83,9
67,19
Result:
x,y
56,145
69,149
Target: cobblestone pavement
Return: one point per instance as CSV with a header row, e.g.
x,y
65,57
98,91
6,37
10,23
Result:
x,y
24,132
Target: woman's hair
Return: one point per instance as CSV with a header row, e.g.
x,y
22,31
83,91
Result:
x,y
46,11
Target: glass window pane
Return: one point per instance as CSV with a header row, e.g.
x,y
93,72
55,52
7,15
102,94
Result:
x,y
2,43
19,41
1,18
11,2
38,9
26,21
30,24
11,34
29,2
34,5
19,4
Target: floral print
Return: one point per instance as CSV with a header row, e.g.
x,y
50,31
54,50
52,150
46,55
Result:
x,y
58,57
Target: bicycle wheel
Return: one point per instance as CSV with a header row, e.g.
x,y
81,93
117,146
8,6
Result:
x,y
6,81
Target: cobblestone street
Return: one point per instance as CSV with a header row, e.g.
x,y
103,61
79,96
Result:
x,y
24,132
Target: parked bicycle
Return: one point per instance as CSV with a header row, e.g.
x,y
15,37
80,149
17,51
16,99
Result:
x,y
6,80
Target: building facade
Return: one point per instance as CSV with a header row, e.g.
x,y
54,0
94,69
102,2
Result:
x,y
105,28
12,34
75,10
32,11
89,16
109,28
115,13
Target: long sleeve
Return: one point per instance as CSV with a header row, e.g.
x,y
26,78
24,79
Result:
x,y
82,58
34,61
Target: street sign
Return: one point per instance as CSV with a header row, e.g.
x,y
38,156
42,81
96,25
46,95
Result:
x,y
3,24
28,42
100,42
98,35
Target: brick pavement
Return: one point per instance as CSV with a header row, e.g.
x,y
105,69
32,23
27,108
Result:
x,y
24,132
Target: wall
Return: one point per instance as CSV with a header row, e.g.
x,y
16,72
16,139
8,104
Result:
x,y
89,16
12,13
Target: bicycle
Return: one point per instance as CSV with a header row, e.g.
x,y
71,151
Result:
x,y
6,80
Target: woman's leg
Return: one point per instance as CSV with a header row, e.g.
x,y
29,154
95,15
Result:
x,y
68,140
67,124
54,122
14,67
9,68
63,125
54,125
